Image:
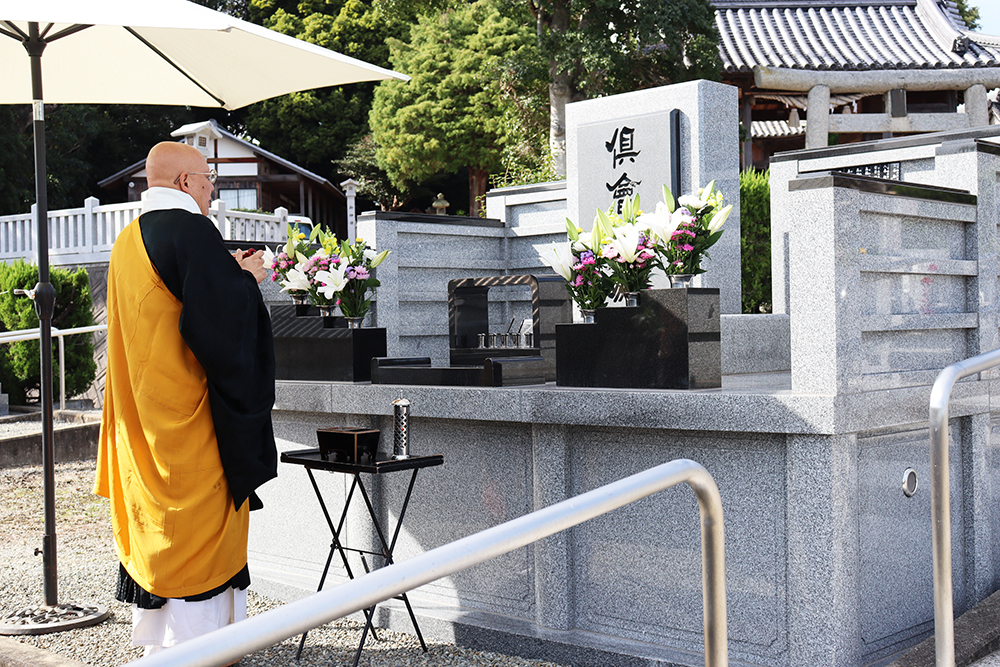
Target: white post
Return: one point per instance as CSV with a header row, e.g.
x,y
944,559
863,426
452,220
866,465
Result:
x,y
90,237
351,190
30,243
218,209
282,214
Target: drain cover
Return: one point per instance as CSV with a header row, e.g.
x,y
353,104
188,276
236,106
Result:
x,y
42,619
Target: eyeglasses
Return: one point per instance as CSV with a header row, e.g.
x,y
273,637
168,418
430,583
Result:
x,y
211,174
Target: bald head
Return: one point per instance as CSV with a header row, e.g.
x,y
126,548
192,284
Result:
x,y
171,164
166,160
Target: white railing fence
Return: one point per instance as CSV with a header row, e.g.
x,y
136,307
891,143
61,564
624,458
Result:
x,y
85,235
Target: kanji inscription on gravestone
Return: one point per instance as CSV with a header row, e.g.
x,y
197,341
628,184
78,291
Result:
x,y
622,158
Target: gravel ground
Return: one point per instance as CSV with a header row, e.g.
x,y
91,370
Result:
x,y
87,567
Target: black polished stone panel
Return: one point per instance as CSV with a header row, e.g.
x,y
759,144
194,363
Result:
x,y
468,316
671,341
507,372
306,350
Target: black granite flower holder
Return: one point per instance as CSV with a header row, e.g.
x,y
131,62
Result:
x,y
672,340
347,444
305,349
468,317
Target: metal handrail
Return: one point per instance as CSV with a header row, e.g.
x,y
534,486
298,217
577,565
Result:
x,y
263,630
32,334
944,619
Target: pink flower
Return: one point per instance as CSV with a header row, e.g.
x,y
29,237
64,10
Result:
x,y
687,247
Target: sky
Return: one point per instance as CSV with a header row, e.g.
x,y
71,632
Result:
x,y
989,16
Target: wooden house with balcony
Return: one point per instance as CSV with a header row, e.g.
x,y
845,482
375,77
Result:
x,y
815,72
250,178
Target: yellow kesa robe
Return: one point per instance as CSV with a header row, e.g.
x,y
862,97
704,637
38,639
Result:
x,y
176,527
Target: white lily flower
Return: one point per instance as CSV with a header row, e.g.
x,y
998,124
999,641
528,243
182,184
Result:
x,y
560,258
626,242
268,258
697,203
331,282
720,217
370,254
585,241
379,258
661,223
295,281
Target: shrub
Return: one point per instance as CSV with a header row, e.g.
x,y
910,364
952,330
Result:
x,y
755,241
20,365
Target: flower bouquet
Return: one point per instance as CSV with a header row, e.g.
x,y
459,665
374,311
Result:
x,y
629,246
349,276
696,222
582,267
286,263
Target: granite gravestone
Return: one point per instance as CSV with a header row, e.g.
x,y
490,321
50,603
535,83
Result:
x,y
683,136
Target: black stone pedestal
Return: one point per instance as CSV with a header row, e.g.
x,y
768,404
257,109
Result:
x,y
305,350
671,341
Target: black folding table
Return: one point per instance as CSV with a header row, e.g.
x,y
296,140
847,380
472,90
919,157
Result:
x,y
312,460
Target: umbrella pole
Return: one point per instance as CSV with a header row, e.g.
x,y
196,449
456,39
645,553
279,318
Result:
x,y
51,617
45,299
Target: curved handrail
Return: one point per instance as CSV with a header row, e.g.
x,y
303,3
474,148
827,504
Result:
x,y
235,641
944,619
32,334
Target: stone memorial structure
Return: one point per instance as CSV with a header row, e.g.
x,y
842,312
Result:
x,y
879,284
682,136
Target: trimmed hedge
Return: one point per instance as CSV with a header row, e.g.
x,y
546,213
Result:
x,y
755,240
20,364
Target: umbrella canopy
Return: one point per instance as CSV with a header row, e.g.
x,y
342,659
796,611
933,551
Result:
x,y
162,52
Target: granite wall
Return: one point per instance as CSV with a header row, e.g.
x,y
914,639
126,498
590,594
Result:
x,y
880,283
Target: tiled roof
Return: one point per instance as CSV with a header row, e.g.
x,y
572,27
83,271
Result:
x,y
769,129
849,35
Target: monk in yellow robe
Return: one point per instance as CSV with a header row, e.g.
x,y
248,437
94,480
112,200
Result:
x,y
186,434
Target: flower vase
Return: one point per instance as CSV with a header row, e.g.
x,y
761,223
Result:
x,y
680,280
327,311
301,302
355,322
632,299
588,315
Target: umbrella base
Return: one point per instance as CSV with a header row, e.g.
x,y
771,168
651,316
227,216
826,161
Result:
x,y
43,619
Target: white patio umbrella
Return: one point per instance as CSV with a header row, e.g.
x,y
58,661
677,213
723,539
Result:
x,y
135,52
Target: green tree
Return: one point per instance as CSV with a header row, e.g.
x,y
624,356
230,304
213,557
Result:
x,y
969,14
448,116
17,182
374,183
317,127
84,144
755,240
601,47
20,366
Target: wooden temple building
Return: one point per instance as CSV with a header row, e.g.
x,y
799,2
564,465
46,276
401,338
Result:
x,y
250,178
818,72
